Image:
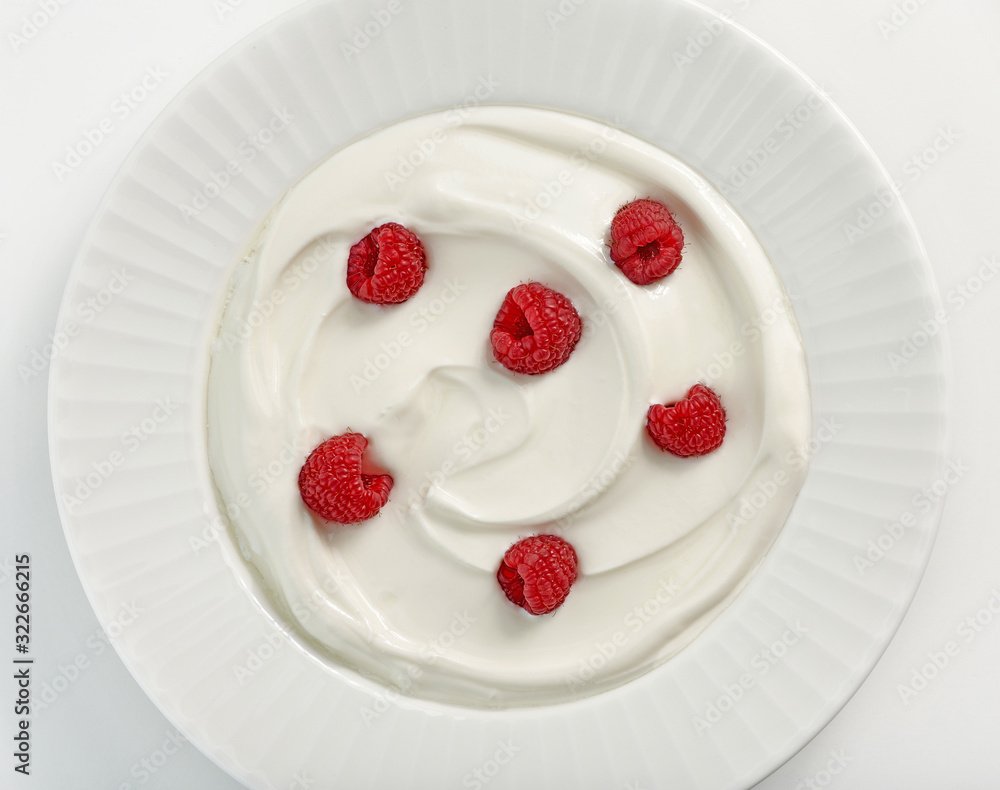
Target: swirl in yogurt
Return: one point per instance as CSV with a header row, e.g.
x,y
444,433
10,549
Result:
x,y
482,457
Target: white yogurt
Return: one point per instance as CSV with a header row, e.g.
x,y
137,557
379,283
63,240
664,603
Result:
x,y
482,457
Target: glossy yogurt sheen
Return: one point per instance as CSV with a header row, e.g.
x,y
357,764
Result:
x,y
482,457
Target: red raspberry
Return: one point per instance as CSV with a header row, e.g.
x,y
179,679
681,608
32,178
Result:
x,y
536,329
695,425
334,487
536,573
387,266
646,241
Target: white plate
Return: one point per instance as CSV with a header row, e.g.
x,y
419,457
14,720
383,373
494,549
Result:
x,y
127,395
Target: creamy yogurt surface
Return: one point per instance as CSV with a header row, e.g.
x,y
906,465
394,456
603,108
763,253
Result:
x,y
482,457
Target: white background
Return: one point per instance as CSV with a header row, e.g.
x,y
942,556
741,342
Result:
x,y
908,74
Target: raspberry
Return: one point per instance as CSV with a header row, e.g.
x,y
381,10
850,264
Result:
x,y
536,329
536,573
694,425
646,241
387,266
334,487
